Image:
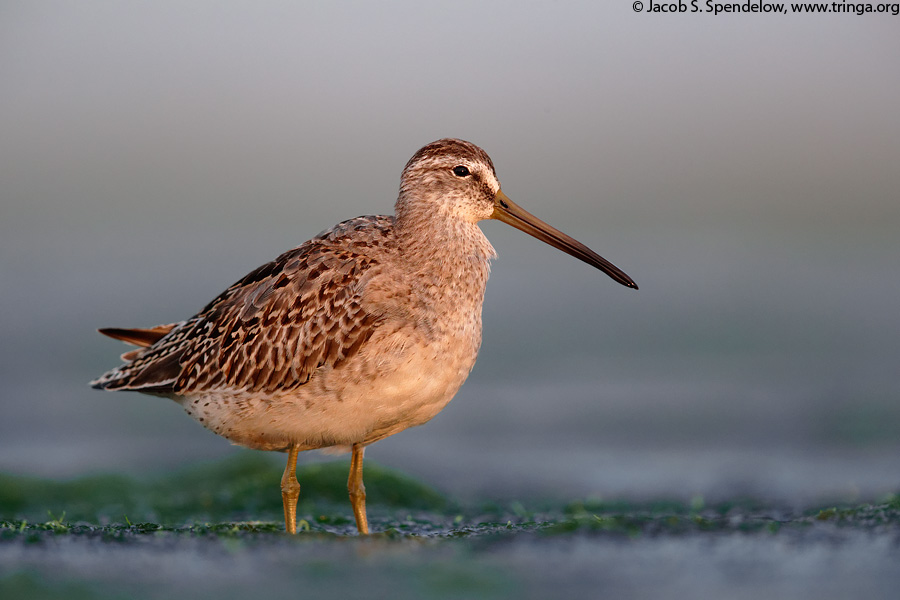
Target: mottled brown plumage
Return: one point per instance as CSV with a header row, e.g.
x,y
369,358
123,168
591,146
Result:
x,y
268,332
367,329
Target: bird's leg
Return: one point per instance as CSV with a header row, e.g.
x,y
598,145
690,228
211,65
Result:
x,y
290,490
357,489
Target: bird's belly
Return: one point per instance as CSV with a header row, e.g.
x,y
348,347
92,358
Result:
x,y
369,398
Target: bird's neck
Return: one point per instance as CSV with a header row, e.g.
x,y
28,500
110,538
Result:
x,y
442,249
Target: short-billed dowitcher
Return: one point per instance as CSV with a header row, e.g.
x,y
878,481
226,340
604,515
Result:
x,y
367,329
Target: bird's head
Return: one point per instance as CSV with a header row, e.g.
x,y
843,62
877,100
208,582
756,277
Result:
x,y
457,179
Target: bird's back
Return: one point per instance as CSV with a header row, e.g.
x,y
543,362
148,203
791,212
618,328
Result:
x,y
271,330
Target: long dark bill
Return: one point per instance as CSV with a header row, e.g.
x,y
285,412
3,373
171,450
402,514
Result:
x,y
512,214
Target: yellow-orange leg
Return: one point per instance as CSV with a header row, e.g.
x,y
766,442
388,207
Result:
x,y
357,489
290,490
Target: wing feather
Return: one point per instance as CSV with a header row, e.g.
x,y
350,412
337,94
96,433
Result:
x,y
270,331
138,337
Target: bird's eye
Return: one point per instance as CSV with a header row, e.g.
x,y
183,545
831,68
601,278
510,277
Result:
x,y
461,171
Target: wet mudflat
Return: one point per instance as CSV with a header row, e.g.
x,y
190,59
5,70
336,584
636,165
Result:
x,y
215,531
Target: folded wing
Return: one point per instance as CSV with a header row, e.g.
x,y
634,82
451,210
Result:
x,y
272,330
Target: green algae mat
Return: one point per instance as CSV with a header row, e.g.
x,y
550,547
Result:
x,y
216,531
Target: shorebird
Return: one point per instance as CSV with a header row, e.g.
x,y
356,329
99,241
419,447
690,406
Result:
x,y
365,330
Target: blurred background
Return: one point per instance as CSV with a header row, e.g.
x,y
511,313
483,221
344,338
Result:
x,y
744,169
